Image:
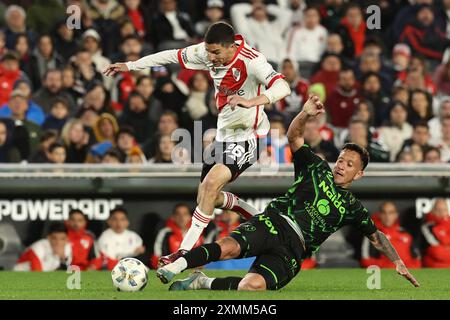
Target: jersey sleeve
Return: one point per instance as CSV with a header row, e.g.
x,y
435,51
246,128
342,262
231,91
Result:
x,y
193,57
304,158
362,220
264,72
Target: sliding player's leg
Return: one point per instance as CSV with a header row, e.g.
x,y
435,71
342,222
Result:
x,y
229,201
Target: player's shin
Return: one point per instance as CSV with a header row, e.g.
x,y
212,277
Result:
x,y
203,255
234,203
229,283
199,222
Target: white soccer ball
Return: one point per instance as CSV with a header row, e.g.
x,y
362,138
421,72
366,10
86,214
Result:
x,y
129,275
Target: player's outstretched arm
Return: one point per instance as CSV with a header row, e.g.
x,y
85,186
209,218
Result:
x,y
382,243
311,108
152,60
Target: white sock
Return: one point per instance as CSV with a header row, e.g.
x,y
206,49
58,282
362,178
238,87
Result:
x,y
206,283
199,222
234,203
177,266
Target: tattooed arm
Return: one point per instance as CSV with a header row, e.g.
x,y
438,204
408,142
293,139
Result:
x,y
382,244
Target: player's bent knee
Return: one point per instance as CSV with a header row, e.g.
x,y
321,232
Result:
x,y
254,282
230,248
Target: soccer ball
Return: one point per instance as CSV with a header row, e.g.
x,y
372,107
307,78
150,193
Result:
x,y
129,275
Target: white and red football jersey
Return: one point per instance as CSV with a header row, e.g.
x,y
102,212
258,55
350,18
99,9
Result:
x,y
247,75
119,245
40,257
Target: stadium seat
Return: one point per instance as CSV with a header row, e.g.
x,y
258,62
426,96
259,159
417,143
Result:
x,y
10,246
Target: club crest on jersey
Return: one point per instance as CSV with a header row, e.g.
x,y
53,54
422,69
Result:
x,y
236,74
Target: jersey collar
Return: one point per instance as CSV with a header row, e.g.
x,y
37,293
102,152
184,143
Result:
x,y
237,37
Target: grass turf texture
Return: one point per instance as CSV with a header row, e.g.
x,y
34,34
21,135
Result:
x,y
309,284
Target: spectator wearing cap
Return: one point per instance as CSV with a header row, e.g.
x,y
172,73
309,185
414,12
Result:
x,y
52,88
393,134
312,33
424,36
171,28
92,43
107,16
266,35
40,155
44,58
401,56
8,151
33,112
9,74
15,18
136,115
213,13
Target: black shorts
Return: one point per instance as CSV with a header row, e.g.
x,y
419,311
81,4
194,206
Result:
x,y
237,156
278,249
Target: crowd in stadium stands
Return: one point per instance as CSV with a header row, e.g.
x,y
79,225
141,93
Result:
x,y
387,89
71,243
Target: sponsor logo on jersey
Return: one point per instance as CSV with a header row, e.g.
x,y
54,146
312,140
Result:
x,y
334,197
228,92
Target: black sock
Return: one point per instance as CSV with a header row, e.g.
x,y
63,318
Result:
x,y
230,283
202,255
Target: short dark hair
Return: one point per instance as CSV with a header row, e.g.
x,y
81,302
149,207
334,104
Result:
x,y
48,134
75,211
180,205
421,123
118,209
220,33
55,145
363,153
57,227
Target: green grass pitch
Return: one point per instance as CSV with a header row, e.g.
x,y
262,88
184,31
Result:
x,y
309,284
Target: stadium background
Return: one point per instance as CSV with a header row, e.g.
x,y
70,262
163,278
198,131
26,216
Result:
x,y
150,197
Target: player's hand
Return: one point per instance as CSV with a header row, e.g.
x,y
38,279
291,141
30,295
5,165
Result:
x,y
313,106
236,101
403,271
112,69
139,250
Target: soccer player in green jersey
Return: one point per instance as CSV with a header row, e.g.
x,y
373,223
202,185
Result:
x,y
293,226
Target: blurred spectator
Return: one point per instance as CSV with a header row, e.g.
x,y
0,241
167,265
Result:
x,y
314,139
405,156
58,116
9,74
18,104
86,73
436,231
373,92
435,123
164,152
332,12
394,134
137,115
312,33
112,156
372,63
343,100
297,8
420,106
169,238
145,86
292,104
136,156
22,48
136,16
443,143
48,138
126,141
328,73
419,140
92,43
167,124
387,221
400,93
64,40
49,254
117,242
353,31
432,155
358,132
424,36
52,88
8,152
76,141
277,143
401,56
266,35
44,58
56,153
70,86
81,240
442,78
214,12
105,133
98,98
171,28
15,18
334,44
107,16
33,112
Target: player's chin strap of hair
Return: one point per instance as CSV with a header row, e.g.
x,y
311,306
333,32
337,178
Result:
x,y
279,89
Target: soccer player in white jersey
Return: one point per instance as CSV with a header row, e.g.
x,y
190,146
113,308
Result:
x,y
244,82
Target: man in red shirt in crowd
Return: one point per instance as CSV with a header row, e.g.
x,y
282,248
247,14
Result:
x,y
169,238
387,221
436,231
81,240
